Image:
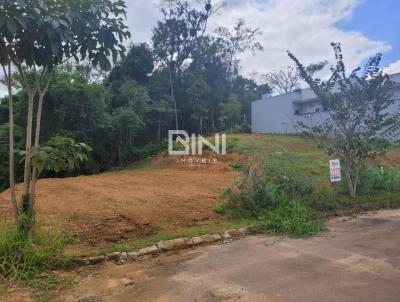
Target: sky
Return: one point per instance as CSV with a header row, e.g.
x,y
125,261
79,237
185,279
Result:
x,y
306,27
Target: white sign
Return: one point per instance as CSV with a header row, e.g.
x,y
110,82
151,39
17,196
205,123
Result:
x,y
334,167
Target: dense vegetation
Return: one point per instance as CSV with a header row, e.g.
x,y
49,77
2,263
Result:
x,y
125,114
286,188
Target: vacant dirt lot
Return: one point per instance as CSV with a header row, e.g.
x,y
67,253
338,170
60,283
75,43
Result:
x,y
112,206
358,261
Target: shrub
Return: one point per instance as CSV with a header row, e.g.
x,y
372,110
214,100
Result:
x,y
255,195
253,199
293,218
219,209
29,259
290,181
378,178
296,184
148,150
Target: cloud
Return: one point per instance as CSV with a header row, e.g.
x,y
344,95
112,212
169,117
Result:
x,y
141,18
392,68
304,27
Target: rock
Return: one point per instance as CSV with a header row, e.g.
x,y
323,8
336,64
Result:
x,y
175,244
133,256
206,239
234,233
213,238
197,240
113,256
244,231
151,250
124,257
82,261
127,281
96,260
226,236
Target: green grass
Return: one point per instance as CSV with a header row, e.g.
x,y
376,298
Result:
x,y
30,260
296,174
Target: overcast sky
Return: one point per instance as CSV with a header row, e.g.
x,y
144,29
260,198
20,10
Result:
x,y
306,27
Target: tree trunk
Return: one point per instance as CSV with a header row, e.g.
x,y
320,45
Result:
x,y
32,192
28,143
350,185
173,97
8,76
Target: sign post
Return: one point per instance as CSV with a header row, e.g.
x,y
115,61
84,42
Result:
x,y
335,175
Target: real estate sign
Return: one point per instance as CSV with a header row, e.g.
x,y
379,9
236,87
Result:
x,y
334,167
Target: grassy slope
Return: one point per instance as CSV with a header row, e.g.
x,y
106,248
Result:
x,y
303,155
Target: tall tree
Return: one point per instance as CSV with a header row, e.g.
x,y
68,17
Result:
x,y
36,36
175,37
357,106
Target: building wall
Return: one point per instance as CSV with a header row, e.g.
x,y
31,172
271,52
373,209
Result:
x,y
281,114
273,114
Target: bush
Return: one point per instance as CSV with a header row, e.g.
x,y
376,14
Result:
x,y
296,184
381,179
146,151
219,209
252,199
29,259
257,194
293,218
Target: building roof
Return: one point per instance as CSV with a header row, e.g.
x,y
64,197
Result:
x,y
307,95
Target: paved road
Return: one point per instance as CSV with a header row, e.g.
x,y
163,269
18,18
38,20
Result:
x,y
358,260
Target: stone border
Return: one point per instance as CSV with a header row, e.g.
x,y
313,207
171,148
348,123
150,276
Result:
x,y
166,246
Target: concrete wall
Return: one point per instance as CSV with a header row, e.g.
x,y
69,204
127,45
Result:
x,y
273,114
277,114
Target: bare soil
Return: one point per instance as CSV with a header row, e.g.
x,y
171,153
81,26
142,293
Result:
x,y
113,206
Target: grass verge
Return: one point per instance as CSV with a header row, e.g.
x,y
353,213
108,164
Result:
x,y
31,260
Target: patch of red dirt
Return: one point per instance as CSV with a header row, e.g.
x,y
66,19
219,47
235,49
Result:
x,y
113,206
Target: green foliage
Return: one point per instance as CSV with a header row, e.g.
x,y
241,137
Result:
x,y
231,112
59,154
277,184
29,260
379,179
219,209
82,29
4,178
293,218
356,106
276,205
133,107
287,186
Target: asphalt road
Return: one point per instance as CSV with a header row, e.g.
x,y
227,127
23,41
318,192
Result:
x,y
358,260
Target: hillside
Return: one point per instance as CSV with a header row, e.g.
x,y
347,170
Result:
x,y
161,194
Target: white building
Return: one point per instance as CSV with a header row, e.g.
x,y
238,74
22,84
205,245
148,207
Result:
x,y
281,114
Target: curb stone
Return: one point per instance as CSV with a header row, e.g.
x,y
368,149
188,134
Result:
x,y
96,260
150,250
113,256
168,245
175,244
